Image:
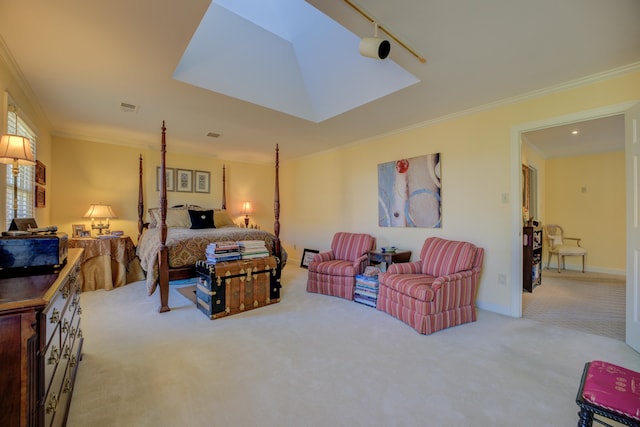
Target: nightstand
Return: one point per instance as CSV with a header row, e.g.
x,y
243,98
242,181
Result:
x,y
379,257
107,263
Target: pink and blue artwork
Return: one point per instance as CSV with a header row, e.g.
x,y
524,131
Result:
x,y
409,192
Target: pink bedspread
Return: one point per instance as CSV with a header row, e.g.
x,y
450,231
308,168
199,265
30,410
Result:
x,y
186,246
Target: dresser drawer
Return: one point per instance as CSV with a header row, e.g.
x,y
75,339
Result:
x,y
55,310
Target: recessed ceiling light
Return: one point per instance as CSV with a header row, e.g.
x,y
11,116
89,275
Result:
x,y
213,135
574,132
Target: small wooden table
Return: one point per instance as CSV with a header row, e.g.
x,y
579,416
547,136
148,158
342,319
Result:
x,y
378,257
107,263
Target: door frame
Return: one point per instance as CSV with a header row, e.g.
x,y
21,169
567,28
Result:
x,y
516,184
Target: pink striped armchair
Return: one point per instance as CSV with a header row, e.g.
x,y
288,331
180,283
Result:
x,y
334,272
436,292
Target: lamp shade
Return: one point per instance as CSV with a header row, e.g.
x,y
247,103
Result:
x,y
16,148
246,208
100,211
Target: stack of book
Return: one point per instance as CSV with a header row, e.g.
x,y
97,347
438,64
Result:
x,y
250,249
366,291
222,251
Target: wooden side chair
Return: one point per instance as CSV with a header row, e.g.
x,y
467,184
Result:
x,y
557,245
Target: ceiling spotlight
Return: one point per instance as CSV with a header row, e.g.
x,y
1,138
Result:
x,y
375,47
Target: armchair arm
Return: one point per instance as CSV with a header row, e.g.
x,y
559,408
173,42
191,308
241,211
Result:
x,y
457,289
361,263
414,267
577,239
323,256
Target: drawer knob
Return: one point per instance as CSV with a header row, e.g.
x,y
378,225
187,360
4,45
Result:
x,y
52,404
54,357
55,316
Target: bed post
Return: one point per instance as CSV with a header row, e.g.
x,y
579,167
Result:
x,y
163,253
276,208
140,201
224,187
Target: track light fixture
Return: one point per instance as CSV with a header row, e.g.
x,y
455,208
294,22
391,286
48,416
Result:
x,y
375,47
380,44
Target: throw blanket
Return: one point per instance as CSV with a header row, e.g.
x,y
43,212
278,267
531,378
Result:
x,y
186,246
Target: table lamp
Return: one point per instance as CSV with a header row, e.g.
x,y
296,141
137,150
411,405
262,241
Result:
x,y
15,150
102,213
246,210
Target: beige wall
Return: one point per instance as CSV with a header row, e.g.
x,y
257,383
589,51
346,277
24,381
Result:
x,y
88,172
11,83
337,190
586,196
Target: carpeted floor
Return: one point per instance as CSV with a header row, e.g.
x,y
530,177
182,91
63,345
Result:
x,y
314,360
587,302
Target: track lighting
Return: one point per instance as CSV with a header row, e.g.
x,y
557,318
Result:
x,y
375,47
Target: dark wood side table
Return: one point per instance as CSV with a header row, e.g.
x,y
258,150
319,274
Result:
x,y
378,257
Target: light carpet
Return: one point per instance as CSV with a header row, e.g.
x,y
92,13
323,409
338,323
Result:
x,y
588,302
314,360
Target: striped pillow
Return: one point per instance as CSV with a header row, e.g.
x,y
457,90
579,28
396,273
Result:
x,y
442,257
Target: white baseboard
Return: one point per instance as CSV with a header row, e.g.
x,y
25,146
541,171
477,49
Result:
x,y
587,269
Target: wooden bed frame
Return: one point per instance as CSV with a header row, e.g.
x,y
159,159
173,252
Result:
x,y
165,273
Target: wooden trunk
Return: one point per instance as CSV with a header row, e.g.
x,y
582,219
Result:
x,y
231,287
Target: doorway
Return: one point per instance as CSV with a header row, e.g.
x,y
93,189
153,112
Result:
x,y
516,173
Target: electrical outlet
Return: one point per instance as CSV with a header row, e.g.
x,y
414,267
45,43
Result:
x,y
502,279
505,197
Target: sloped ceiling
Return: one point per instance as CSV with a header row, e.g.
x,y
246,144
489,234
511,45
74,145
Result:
x,y
83,59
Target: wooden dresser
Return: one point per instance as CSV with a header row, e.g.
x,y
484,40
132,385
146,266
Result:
x,y
40,345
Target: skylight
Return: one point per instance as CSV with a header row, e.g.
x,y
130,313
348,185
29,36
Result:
x,y
287,56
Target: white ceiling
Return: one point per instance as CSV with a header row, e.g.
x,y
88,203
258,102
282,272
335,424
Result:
x,y
83,59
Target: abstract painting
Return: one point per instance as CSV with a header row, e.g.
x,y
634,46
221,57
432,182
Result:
x,y
409,192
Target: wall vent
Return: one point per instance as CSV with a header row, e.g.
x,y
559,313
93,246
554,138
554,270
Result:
x,y
128,108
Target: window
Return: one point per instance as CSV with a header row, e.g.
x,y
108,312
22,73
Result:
x,y
26,175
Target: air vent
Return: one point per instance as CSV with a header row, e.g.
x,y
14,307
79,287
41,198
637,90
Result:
x,y
128,108
213,135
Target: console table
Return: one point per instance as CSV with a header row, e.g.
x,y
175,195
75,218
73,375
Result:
x,y
107,263
377,257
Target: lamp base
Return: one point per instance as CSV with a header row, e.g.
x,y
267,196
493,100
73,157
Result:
x,y
101,227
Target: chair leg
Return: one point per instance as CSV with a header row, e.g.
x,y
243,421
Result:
x,y
585,418
559,262
583,263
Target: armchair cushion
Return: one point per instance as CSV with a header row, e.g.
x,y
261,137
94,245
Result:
x,y
337,267
442,257
414,285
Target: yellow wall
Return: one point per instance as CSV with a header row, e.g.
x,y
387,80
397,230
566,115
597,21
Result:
x,y
88,172
597,214
337,190
11,82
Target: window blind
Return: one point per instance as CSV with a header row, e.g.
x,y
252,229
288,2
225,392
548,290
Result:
x,y
26,176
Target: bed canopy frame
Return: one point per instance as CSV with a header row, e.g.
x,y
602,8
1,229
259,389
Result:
x,y
165,273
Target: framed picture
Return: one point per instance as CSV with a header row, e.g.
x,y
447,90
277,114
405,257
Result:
x,y
307,256
202,180
78,230
40,197
184,180
170,172
41,173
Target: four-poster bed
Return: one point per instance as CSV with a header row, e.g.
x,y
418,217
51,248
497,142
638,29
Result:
x,y
169,248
